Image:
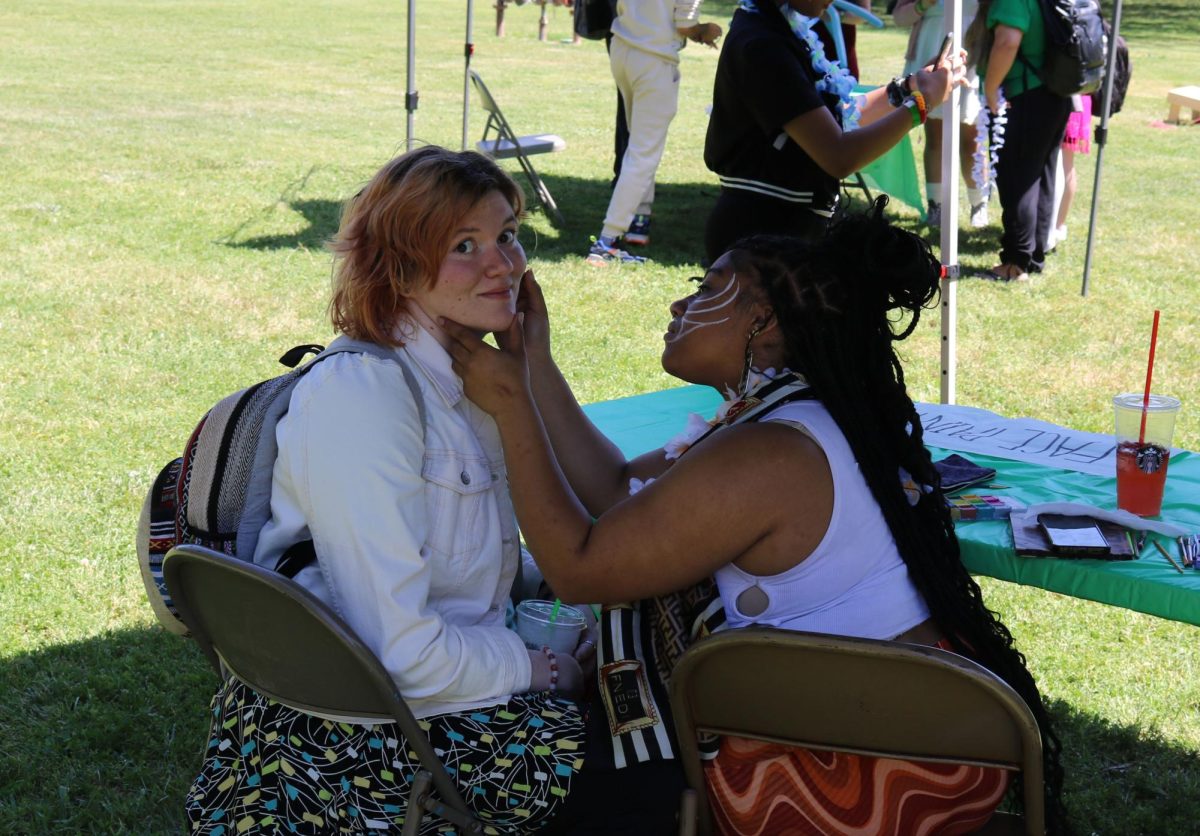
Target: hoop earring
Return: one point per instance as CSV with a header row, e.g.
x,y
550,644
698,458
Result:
x,y
749,362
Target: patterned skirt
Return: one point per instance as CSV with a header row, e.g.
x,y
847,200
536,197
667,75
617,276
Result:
x,y
270,768
759,788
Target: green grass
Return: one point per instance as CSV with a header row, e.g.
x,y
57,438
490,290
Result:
x,y
170,173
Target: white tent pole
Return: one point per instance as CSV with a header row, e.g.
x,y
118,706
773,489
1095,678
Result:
x,y
468,51
410,94
1102,139
951,136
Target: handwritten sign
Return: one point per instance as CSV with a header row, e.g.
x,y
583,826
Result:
x,y
966,429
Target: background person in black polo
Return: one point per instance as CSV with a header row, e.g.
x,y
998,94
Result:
x,y
777,143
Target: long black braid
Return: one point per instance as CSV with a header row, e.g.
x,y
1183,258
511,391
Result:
x,y
840,303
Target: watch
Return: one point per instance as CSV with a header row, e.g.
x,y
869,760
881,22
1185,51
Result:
x,y
897,90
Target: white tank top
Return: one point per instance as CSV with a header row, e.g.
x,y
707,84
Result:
x,y
855,583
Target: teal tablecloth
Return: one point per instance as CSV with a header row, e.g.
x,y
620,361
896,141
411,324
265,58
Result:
x,y
1150,584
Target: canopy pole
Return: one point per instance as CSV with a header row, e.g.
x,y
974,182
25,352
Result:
x,y
951,137
468,51
410,94
1101,140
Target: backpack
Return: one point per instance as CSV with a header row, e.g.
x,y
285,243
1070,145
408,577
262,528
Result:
x,y
1122,72
1075,46
594,18
218,493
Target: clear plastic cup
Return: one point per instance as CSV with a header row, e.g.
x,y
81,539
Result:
x,y
537,630
1142,458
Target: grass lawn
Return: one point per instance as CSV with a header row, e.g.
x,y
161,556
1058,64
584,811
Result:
x,y
170,173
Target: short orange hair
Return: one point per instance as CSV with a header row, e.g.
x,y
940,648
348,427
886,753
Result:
x,y
397,230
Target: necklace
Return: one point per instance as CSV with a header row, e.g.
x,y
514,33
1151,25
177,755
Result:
x,y
833,78
989,128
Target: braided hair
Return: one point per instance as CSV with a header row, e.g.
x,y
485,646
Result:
x,y
841,303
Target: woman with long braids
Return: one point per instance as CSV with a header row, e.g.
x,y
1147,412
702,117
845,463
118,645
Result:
x,y
810,499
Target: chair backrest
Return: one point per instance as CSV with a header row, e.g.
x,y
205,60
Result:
x,y
854,695
485,96
285,643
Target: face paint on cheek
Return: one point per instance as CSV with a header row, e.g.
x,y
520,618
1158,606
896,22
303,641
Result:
x,y
706,313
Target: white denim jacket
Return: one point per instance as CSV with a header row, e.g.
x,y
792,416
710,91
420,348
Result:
x,y
415,535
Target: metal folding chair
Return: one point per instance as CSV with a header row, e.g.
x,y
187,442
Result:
x,y
279,639
853,695
505,145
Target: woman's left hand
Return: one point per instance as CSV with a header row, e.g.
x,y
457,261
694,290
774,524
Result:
x,y
493,378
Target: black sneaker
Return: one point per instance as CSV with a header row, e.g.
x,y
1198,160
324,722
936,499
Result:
x,y
639,231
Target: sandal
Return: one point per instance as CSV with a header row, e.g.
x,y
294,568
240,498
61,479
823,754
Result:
x,y
1006,273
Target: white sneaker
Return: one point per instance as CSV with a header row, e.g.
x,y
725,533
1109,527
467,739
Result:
x,y
979,215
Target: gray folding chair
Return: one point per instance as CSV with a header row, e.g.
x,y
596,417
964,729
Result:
x,y
283,642
840,694
505,144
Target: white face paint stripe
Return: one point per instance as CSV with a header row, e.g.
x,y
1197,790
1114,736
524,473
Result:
x,y
723,298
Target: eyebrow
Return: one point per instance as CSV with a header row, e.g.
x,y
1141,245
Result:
x,y
511,219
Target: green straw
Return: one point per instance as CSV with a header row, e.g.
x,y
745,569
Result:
x,y
554,611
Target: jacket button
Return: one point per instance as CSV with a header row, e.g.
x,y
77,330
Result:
x,y
466,478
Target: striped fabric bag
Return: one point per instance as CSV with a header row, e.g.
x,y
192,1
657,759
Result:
x,y
218,493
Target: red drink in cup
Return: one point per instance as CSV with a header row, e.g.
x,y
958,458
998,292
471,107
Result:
x,y
1143,454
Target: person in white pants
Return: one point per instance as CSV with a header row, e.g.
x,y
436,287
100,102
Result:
x,y
644,57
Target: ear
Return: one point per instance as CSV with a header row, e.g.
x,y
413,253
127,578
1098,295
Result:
x,y
764,319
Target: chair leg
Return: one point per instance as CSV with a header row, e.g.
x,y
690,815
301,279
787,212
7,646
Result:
x,y
422,782
539,188
687,813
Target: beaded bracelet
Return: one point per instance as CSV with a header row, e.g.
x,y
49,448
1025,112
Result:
x,y
920,100
553,668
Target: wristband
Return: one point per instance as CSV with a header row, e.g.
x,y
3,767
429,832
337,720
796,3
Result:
x,y
553,669
911,104
920,100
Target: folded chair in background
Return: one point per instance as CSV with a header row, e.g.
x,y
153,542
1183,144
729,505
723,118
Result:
x,y
873,698
283,642
505,144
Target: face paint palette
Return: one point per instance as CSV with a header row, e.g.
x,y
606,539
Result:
x,y
980,507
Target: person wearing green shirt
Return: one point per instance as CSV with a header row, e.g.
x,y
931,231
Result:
x,y
1008,39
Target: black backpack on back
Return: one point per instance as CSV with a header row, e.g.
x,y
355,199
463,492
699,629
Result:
x,y
1122,72
1075,46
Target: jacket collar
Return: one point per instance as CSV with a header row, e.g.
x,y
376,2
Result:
x,y
433,360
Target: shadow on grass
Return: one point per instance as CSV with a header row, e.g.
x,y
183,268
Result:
x,y
105,734
1129,782
680,211
102,735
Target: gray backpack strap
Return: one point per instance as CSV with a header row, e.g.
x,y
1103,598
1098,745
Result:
x,y
256,509
343,344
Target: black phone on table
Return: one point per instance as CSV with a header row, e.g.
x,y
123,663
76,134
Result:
x,y
1073,535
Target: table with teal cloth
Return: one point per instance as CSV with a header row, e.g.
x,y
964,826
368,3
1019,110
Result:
x,y
1149,585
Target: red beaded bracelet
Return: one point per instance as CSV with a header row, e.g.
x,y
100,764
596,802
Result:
x,y
553,668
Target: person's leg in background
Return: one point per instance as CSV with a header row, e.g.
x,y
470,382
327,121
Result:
x,y
1025,179
620,126
650,87
932,158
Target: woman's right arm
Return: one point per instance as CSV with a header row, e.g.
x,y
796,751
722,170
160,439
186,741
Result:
x,y
595,468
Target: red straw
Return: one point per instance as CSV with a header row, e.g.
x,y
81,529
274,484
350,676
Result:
x,y
1149,375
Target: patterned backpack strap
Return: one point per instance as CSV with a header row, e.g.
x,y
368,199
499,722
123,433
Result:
x,y
156,537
